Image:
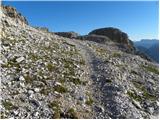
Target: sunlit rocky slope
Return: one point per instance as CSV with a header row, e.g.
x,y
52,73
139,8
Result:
x,y
45,75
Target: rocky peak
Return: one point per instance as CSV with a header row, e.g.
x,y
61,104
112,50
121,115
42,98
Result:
x,y
113,33
14,14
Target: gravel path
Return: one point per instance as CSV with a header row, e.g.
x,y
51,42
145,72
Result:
x,y
96,75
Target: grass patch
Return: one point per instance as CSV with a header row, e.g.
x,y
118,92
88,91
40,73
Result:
x,y
54,105
82,62
133,95
101,50
89,101
116,54
76,81
151,69
12,63
142,88
60,89
7,105
72,114
28,78
68,64
50,67
46,91
33,57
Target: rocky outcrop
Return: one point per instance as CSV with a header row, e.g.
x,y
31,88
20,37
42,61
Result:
x,y
67,34
113,33
95,38
117,36
12,13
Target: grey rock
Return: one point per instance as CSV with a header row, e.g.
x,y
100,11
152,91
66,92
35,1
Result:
x,y
20,59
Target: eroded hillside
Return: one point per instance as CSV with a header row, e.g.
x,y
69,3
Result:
x,y
44,75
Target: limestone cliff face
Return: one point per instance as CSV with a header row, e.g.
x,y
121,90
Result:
x,y
44,75
12,13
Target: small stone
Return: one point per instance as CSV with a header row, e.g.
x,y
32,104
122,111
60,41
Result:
x,y
9,84
56,92
36,114
22,85
82,98
35,103
21,78
20,59
15,112
45,77
58,84
137,104
99,108
47,44
36,89
151,110
30,92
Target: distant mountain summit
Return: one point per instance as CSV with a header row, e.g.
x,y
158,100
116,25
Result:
x,y
150,47
147,43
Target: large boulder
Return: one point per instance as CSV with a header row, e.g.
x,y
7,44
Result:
x,y
12,13
67,34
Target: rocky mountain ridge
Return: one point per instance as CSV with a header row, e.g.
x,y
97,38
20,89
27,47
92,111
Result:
x,y
45,75
150,47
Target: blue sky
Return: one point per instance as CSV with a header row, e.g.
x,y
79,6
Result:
x,y
138,19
